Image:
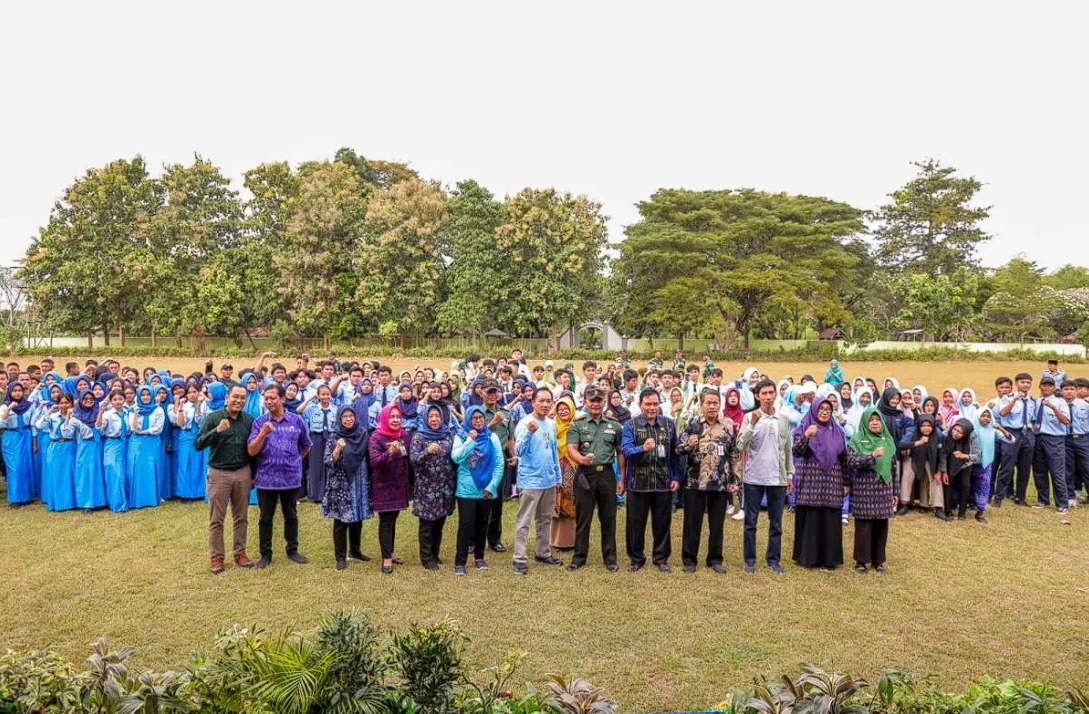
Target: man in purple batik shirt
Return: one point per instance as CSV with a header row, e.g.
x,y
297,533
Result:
x,y
279,440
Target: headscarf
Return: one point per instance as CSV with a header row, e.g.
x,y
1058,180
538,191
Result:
x,y
364,400
924,459
828,443
71,384
621,413
292,404
480,461
954,466
145,410
854,414
17,407
895,383
562,425
427,432
970,411
923,394
780,396
866,442
383,423
847,402
734,413
217,395
949,415
834,375
253,399
355,449
410,408
85,415
57,379
986,438
889,413
937,405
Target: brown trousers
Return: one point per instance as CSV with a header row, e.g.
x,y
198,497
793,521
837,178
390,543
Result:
x,y
232,486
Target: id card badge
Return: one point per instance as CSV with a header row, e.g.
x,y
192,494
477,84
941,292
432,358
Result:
x,y
721,450
661,451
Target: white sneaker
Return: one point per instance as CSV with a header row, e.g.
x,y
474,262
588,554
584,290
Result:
x,y
739,516
1073,503
730,509
843,520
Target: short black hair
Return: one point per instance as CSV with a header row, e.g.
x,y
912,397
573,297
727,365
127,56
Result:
x,y
1081,382
1067,383
384,368
629,374
716,372
1003,380
1023,375
538,390
279,390
762,385
1054,362
647,392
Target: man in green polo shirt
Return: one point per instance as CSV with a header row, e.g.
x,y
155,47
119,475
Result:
x,y
594,444
499,423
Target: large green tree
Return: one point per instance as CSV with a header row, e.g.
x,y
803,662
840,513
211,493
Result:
x,y
478,279
400,264
931,226
89,267
944,306
738,252
554,249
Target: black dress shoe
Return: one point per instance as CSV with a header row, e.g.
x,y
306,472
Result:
x,y
664,567
358,556
520,569
902,511
431,565
612,567
263,562
719,568
689,568
387,569
940,514
342,566
498,548
550,560
635,567
298,558
398,561
572,567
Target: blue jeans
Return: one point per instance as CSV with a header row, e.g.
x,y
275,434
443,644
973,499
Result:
x,y
776,497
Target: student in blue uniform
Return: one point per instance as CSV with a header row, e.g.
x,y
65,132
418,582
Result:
x,y
190,465
17,444
255,405
321,417
144,449
47,400
89,481
113,431
60,457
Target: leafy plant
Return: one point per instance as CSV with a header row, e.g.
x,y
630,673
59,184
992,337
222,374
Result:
x,y
155,694
428,661
579,697
40,681
108,679
357,665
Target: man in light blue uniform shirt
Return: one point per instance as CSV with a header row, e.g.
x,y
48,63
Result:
x,y
538,475
1016,412
1077,442
1052,419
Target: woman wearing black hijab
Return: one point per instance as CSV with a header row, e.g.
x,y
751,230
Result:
x,y
923,446
346,498
959,452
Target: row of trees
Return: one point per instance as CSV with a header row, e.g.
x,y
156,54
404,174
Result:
x,y
332,249
352,246
728,265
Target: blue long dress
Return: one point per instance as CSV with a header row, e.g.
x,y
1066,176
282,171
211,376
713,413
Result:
x,y
19,457
143,460
113,461
190,465
60,460
89,480
43,437
165,471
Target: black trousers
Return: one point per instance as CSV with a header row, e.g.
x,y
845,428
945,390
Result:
x,y
1077,464
659,506
266,502
473,515
601,495
430,539
871,537
387,532
495,508
959,490
1017,455
696,503
346,538
1050,459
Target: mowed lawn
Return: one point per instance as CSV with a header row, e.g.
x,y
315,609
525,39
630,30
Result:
x,y
960,600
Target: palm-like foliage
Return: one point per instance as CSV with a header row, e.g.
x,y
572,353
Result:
x,y
578,697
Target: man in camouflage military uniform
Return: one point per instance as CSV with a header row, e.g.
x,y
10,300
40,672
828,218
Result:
x,y
593,444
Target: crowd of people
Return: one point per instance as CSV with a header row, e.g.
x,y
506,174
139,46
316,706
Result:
x,y
568,446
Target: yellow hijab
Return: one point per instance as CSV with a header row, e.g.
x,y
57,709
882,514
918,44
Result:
x,y
562,425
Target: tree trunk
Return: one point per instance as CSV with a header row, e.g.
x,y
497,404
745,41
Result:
x,y
106,334
121,334
91,340
680,341
246,332
325,341
177,340
154,337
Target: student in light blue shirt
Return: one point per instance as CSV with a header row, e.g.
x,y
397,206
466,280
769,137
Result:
x,y
1077,441
1052,418
1015,410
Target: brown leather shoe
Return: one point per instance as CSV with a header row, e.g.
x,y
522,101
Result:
x,y
243,561
217,566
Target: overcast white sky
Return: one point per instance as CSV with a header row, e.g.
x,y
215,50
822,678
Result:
x,y
611,99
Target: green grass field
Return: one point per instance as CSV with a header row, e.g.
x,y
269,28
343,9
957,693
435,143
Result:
x,y
960,600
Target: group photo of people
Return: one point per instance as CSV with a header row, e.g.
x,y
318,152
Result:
x,y
567,446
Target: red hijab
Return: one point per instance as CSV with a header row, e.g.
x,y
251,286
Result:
x,y
733,413
383,423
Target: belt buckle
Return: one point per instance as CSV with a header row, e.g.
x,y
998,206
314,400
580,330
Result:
x,y
599,468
